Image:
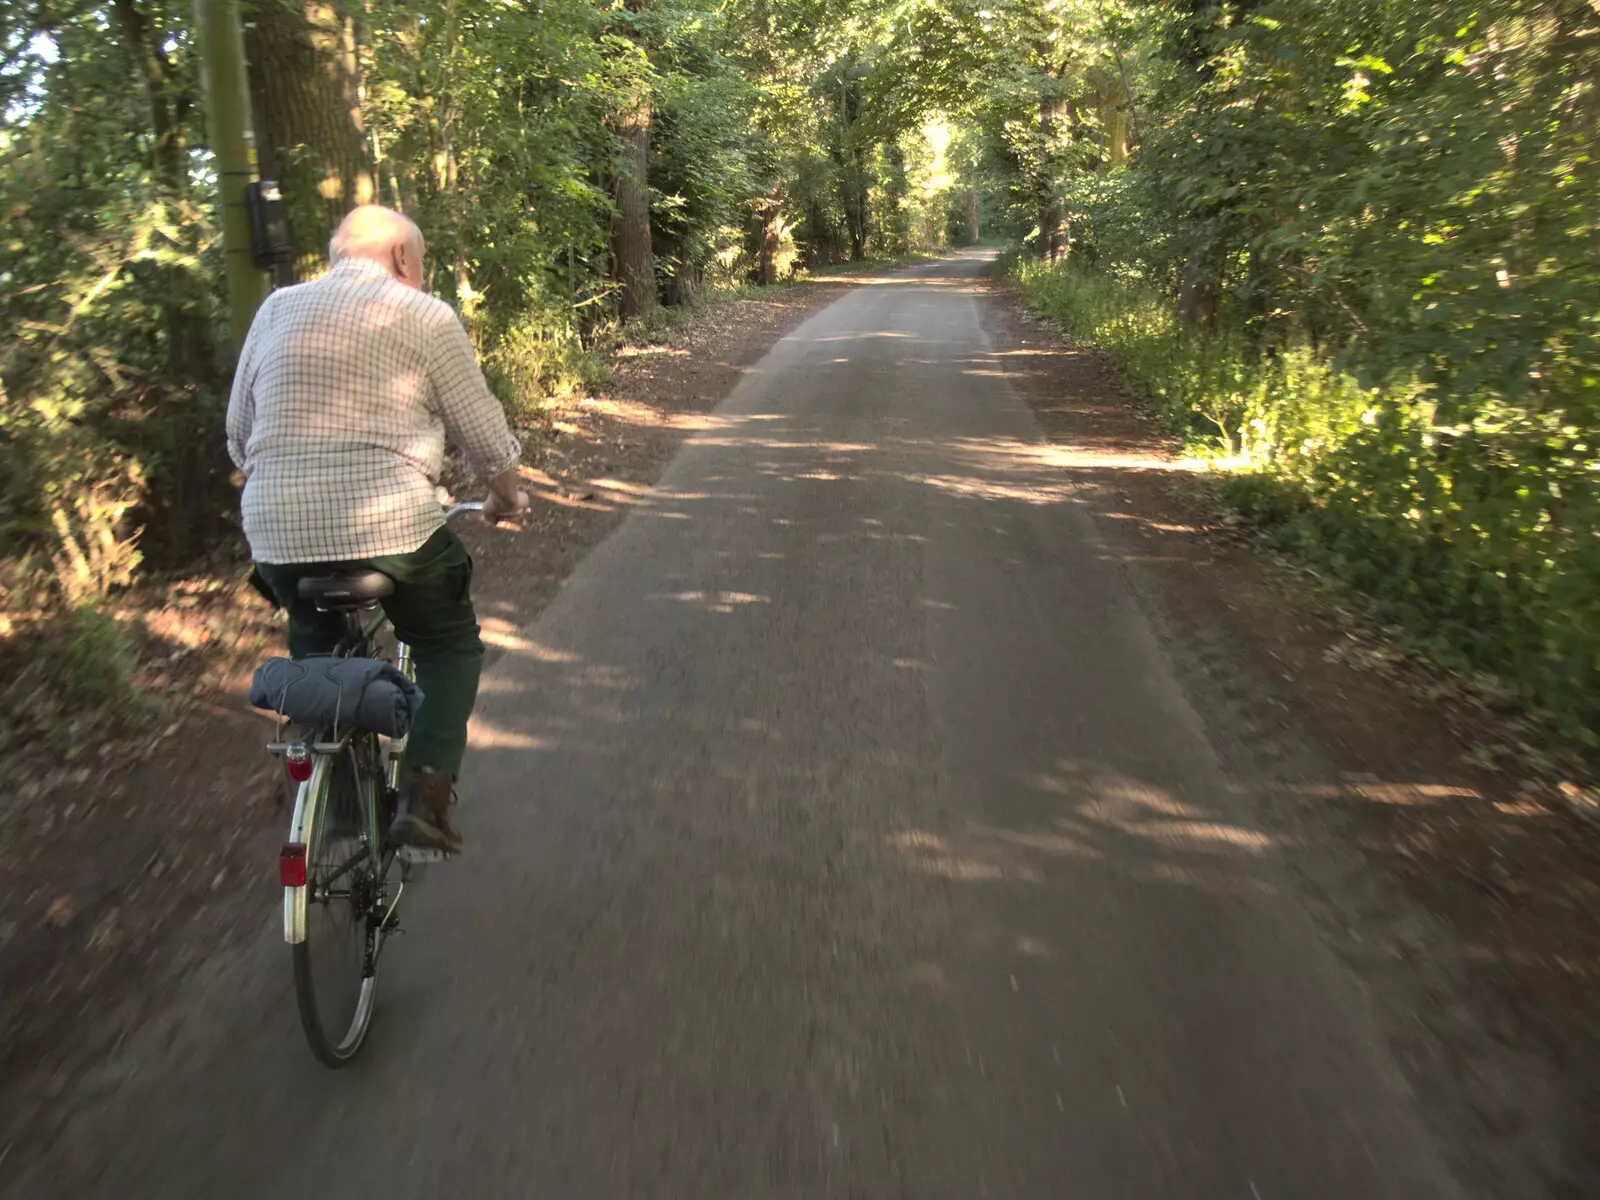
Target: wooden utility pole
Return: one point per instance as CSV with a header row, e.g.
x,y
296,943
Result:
x,y
222,69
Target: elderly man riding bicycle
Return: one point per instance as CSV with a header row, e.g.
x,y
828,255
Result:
x,y
346,392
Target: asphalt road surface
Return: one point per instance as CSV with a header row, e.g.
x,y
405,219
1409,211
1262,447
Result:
x,y
839,830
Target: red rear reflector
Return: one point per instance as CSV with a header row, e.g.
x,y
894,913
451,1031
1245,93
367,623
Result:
x,y
292,864
297,761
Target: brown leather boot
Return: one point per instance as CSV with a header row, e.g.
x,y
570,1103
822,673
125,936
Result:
x,y
422,821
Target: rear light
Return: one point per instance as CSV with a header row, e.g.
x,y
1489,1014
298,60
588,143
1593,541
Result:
x,y
297,761
292,864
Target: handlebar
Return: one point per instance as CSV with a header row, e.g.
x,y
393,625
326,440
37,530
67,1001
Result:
x,y
512,521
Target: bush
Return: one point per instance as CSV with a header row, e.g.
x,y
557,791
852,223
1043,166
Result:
x,y
1468,517
69,682
536,361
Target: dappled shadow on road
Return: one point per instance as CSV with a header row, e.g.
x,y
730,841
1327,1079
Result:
x,y
1102,812
829,867
1462,894
1092,461
763,789
1093,821
691,737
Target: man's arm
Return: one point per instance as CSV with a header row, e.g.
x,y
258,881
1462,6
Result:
x,y
241,401
506,497
473,419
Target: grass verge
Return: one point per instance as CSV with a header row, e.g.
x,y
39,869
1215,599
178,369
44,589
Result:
x,y
1466,525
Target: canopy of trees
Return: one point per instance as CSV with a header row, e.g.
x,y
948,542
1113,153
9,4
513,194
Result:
x,y
1356,244
571,162
1402,189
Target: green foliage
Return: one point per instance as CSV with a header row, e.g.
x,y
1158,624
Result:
x,y
1404,183
703,170
1476,535
492,125
1356,248
68,683
107,311
779,139
1351,244
537,362
97,657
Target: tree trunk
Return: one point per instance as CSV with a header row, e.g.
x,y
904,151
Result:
x,y
894,226
853,198
1200,292
305,87
974,234
683,280
684,286
630,229
820,235
767,233
853,202
632,250
1052,213
1112,100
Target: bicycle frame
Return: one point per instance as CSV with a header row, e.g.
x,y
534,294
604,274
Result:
x,y
361,634
362,629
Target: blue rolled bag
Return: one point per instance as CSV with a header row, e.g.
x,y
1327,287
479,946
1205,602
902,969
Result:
x,y
324,692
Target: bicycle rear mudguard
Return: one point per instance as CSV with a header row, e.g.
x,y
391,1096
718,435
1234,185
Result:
x,y
306,802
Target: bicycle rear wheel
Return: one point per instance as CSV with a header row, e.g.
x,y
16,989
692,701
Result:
x,y
336,964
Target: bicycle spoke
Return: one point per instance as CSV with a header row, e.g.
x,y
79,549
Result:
x,y
351,864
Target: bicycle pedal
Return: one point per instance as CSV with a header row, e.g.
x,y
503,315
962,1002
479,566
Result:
x,y
417,855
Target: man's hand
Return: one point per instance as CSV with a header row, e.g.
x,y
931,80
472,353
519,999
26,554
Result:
x,y
506,500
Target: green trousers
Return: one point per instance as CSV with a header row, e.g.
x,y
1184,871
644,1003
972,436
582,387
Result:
x,y
431,610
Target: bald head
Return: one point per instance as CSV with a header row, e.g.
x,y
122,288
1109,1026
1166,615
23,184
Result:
x,y
382,235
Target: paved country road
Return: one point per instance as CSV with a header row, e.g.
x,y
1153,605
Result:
x,y
839,831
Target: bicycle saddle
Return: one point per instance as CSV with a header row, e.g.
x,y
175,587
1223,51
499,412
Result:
x,y
346,589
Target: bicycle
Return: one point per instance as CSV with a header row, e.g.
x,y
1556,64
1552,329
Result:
x,y
341,888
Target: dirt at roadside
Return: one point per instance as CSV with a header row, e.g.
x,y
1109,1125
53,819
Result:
x,y
1464,898
119,871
